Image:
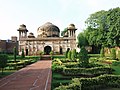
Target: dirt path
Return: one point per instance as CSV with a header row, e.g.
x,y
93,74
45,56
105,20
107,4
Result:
x,y
33,77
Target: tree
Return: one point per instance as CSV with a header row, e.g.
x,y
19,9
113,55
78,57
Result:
x,y
97,28
82,41
103,28
3,61
113,21
64,32
83,57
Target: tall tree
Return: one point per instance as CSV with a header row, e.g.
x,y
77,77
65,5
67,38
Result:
x,y
82,41
96,28
103,28
113,21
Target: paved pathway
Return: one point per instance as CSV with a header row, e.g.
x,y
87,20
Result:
x,y
33,77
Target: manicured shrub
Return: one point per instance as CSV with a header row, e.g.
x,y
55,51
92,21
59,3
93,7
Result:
x,y
73,54
66,53
69,55
51,54
119,55
102,53
87,71
83,57
15,53
96,83
3,61
113,53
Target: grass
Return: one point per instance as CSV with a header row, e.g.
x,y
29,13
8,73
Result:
x,y
117,69
59,79
6,73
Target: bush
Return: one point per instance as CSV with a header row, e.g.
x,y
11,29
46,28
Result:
x,y
3,61
87,71
96,83
83,57
73,54
119,55
69,55
102,54
113,53
116,63
66,53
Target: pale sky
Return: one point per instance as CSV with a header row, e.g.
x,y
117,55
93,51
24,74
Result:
x,y
34,13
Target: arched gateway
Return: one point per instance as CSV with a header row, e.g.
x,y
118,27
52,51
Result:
x,y
47,50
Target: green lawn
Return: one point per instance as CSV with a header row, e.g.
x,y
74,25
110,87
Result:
x,y
6,73
117,69
111,89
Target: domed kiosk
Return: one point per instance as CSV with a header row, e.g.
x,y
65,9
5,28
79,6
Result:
x,y
48,30
48,39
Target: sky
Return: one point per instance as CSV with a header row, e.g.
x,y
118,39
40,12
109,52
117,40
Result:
x,y
34,13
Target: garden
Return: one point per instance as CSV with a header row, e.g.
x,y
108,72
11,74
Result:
x,y
97,64
10,63
83,71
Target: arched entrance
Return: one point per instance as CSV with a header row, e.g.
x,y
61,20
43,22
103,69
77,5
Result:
x,y
26,52
61,52
47,50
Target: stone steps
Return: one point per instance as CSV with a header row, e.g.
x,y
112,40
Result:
x,y
46,57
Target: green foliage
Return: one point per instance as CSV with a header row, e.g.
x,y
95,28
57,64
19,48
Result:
x,y
3,61
57,66
113,53
83,57
15,53
64,32
102,53
73,54
82,41
66,53
103,29
23,55
96,83
116,63
51,53
69,55
119,55
113,21
97,28
41,53
87,71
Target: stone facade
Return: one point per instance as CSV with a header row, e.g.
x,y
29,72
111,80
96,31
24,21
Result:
x,y
47,40
6,46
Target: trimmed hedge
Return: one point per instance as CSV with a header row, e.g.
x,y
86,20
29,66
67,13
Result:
x,y
95,83
87,71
